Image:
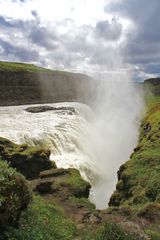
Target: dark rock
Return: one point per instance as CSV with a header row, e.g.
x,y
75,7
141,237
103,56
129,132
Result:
x,y
39,109
121,170
136,149
64,110
44,187
147,128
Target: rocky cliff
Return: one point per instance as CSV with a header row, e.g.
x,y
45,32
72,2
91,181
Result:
x,y
26,83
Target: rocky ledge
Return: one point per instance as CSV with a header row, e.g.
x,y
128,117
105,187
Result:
x,y
62,110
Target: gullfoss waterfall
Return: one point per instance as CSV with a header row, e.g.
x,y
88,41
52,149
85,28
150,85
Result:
x,y
94,141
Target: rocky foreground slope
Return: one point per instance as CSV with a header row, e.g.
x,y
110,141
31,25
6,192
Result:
x,y
52,203
25,83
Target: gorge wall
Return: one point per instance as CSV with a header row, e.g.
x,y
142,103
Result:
x,y
26,83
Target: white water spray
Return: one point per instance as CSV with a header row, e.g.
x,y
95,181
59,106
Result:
x,y
118,107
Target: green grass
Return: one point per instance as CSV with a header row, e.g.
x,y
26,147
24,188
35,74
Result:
x,y
154,235
75,180
42,221
18,66
82,201
15,66
108,231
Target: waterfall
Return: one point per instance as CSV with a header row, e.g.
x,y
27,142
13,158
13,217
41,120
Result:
x,y
65,133
96,143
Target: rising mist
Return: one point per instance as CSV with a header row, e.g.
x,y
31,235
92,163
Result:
x,y
118,108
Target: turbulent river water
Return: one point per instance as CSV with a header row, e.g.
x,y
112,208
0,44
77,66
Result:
x,y
65,132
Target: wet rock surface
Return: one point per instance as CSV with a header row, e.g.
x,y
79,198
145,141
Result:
x,y
62,110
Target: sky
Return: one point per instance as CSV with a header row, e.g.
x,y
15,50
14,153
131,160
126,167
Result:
x,y
90,36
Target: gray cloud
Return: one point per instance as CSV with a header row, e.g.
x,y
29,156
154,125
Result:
x,y
10,23
32,30
34,13
144,13
108,31
23,54
143,43
4,22
20,1
43,37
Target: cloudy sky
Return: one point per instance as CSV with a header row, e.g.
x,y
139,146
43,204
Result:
x,y
83,35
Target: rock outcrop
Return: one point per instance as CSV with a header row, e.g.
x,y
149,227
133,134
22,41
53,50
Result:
x,y
29,161
62,183
65,110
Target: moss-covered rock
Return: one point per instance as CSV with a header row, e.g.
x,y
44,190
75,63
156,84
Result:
x,y
14,195
62,182
30,161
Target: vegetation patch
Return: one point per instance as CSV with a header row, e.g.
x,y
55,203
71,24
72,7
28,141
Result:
x,y
42,221
14,195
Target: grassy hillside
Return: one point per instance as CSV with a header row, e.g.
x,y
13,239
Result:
x,y
15,67
138,184
26,83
